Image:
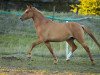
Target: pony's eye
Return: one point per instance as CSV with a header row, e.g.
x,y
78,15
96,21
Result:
x,y
27,12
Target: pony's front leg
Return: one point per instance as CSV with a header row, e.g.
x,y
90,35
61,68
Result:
x,y
51,51
33,45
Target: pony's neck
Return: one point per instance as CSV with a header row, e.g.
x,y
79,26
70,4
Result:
x,y
38,17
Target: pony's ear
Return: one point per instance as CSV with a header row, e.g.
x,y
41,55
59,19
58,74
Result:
x,y
30,6
27,6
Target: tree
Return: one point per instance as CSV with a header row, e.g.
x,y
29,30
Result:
x,y
87,7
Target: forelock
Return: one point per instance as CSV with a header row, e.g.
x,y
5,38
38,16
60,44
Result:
x,y
26,10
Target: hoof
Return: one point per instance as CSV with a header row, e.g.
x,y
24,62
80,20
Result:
x,y
93,63
67,61
29,56
56,61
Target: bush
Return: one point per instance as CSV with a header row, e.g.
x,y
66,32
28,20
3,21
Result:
x,y
87,7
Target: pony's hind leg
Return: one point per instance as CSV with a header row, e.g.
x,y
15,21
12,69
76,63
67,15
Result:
x,y
73,46
82,42
51,51
88,51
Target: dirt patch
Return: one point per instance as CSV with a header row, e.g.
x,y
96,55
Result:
x,y
9,58
17,73
21,73
42,72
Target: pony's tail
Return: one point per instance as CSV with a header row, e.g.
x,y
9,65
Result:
x,y
90,34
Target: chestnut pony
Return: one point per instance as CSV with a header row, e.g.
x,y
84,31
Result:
x,y
50,31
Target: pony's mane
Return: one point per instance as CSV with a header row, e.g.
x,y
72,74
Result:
x,y
37,10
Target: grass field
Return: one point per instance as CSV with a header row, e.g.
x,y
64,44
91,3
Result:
x,y
16,38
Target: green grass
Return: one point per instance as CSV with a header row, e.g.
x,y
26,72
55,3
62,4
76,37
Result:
x,y
16,38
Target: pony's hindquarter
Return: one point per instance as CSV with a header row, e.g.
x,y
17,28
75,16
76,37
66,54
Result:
x,y
76,31
78,34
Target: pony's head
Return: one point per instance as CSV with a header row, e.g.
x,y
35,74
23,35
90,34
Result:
x,y
28,13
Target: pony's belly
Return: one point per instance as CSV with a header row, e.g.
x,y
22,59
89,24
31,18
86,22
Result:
x,y
60,38
56,40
